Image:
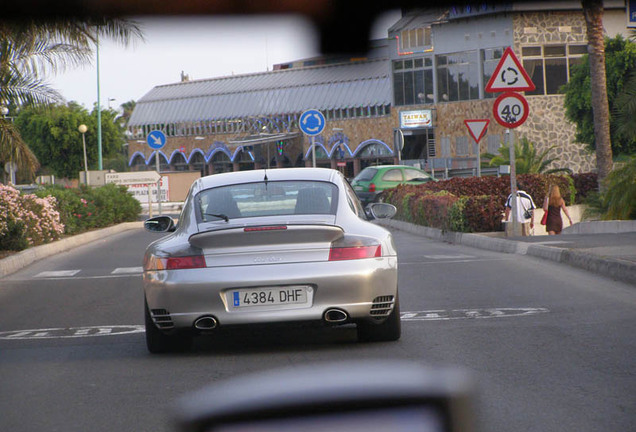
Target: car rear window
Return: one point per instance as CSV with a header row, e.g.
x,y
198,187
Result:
x,y
366,174
266,199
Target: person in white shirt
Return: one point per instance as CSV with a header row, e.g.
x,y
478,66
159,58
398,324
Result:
x,y
525,210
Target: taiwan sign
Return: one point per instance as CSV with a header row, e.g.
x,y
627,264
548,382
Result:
x,y
416,119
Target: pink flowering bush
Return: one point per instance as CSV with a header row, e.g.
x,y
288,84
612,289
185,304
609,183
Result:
x,y
27,220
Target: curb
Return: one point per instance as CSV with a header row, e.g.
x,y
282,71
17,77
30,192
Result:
x,y
26,257
613,268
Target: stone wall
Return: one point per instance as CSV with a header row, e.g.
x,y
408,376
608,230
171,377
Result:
x,y
536,28
546,124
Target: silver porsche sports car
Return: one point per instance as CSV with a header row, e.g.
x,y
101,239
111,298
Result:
x,y
270,246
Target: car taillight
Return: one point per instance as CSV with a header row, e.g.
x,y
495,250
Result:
x,y
372,187
352,248
174,263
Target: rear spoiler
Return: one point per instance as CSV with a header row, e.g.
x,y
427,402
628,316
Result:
x,y
266,235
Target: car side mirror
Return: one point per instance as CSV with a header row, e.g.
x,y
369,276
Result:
x,y
160,224
381,210
336,397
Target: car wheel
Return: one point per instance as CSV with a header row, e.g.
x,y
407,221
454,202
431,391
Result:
x,y
159,342
389,330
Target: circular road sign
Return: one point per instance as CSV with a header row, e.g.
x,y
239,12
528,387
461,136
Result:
x,y
510,110
156,139
312,122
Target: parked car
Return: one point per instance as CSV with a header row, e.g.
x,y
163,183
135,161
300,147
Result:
x,y
270,246
372,181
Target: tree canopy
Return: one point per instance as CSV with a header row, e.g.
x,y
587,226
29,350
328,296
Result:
x,y
31,50
52,132
620,63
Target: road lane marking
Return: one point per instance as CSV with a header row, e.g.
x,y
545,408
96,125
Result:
x,y
117,330
128,270
440,262
455,314
72,332
443,257
57,273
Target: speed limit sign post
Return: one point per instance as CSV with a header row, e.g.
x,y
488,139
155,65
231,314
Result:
x,y
510,110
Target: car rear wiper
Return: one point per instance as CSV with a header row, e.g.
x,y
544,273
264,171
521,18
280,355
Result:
x,y
220,216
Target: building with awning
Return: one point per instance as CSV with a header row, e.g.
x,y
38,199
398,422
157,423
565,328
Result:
x,y
251,121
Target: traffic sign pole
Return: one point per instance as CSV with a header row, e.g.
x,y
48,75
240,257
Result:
x,y
313,152
156,140
158,184
477,129
516,225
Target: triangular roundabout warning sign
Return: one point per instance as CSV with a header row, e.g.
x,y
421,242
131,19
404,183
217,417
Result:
x,y
477,128
509,75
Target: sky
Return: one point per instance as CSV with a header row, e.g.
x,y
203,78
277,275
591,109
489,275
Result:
x,y
199,47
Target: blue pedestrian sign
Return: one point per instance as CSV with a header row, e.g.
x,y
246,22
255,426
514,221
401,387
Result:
x,y
156,139
312,122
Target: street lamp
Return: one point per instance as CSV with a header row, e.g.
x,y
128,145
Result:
x,y
11,165
82,128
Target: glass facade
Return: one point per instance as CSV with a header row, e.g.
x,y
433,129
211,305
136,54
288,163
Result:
x,y
549,65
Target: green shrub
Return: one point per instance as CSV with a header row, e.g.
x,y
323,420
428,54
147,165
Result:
x,y
88,208
619,197
472,204
483,214
27,220
13,236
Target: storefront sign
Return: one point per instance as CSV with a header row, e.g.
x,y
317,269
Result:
x,y
416,119
631,13
140,191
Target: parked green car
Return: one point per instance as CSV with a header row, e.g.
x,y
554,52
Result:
x,y
373,180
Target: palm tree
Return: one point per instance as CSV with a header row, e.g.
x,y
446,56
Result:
x,y
29,51
527,161
128,108
593,12
625,106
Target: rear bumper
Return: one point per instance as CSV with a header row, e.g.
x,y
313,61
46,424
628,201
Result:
x,y
185,295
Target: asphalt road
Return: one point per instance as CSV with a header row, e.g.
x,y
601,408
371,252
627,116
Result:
x,y
551,347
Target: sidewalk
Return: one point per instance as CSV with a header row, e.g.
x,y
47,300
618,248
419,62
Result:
x,y
605,248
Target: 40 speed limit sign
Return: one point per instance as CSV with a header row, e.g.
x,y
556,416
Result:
x,y
510,110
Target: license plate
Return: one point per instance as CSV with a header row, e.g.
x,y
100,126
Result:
x,y
269,296
358,188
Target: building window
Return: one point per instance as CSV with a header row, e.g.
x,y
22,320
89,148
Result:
x,y
415,38
549,65
458,76
494,142
461,146
445,144
413,81
491,58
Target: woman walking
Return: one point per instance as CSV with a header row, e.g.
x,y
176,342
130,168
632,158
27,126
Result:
x,y
552,205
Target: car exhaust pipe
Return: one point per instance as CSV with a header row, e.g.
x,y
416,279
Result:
x,y
335,316
205,323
